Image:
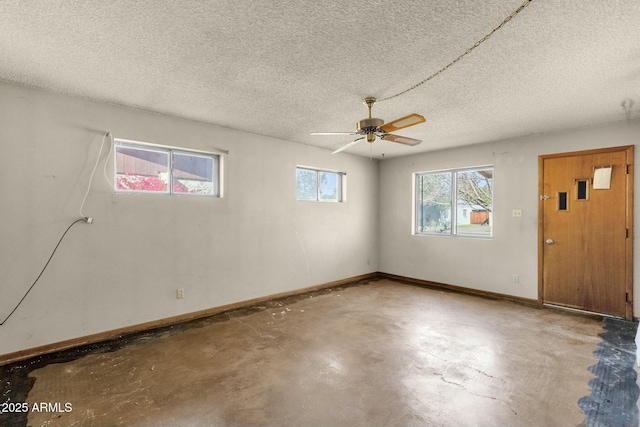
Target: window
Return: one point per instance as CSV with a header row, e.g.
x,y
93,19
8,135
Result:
x,y
455,202
318,185
143,168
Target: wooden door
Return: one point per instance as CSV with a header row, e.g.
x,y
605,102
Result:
x,y
585,247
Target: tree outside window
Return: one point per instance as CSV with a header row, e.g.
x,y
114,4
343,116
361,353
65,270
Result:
x,y
318,185
455,202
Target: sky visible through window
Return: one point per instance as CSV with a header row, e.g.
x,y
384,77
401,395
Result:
x,y
317,185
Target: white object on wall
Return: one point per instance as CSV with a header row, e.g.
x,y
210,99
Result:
x,y
602,178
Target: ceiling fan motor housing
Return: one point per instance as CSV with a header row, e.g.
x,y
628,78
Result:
x,y
369,127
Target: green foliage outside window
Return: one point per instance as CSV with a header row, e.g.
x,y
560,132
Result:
x,y
456,202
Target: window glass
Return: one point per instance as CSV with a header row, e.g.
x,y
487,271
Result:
x,y
328,186
306,184
318,185
142,169
192,174
455,202
474,192
562,201
582,189
434,203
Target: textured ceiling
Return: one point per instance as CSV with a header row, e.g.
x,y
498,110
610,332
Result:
x,y
289,68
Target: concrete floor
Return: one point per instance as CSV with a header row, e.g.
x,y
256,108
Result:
x,y
381,353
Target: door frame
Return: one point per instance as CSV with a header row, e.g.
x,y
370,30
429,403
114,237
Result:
x,y
629,219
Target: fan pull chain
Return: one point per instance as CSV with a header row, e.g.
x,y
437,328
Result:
x,y
478,43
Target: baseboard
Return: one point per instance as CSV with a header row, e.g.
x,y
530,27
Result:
x,y
460,289
134,329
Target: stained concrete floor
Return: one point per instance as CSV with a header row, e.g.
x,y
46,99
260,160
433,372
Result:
x,y
381,353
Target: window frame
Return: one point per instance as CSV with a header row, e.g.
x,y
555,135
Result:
x,y
216,167
454,202
340,185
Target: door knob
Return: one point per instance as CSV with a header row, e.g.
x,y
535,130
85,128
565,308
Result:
x,y
549,241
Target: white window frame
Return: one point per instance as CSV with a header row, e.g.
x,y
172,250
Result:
x,y
170,151
340,184
454,232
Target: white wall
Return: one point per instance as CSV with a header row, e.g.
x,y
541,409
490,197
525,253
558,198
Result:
x,y
487,265
125,268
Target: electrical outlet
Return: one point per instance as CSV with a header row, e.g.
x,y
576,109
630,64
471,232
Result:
x,y
516,213
180,293
516,278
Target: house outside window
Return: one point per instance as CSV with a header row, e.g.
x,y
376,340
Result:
x,y
141,168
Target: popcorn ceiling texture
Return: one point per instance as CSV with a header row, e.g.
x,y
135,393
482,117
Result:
x,y
285,69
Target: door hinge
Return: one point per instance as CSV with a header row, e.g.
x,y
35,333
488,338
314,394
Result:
x,y
626,169
626,231
626,297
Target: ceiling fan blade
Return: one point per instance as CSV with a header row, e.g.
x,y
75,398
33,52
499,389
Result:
x,y
347,146
403,122
400,139
333,133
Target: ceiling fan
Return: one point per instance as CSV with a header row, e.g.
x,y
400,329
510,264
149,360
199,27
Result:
x,y
372,128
